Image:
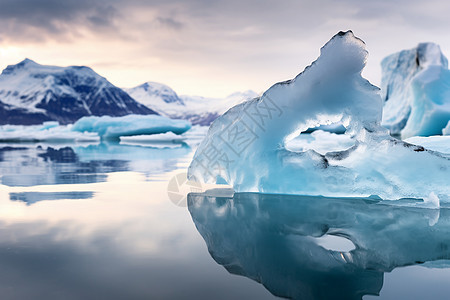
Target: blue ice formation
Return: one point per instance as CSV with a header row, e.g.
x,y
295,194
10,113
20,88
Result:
x,y
49,131
112,128
93,129
415,85
246,146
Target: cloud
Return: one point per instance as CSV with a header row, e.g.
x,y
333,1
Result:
x,y
39,20
169,23
103,16
248,44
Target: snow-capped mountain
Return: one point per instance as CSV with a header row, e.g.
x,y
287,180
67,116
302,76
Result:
x,y
31,93
198,110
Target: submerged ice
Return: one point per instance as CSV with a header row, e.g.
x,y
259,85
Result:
x,y
246,147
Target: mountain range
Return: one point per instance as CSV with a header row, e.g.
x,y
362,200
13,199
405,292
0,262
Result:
x,y
198,110
31,93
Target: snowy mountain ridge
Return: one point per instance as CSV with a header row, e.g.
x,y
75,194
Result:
x,y
198,110
31,93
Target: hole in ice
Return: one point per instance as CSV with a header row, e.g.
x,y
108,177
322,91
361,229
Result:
x,y
321,142
335,243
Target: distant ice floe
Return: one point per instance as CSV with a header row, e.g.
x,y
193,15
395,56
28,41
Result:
x,y
416,90
191,137
248,146
112,128
50,132
90,129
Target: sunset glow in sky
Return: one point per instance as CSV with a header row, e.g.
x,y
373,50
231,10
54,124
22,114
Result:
x,y
209,47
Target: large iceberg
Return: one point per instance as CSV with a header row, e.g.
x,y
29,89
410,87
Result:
x,y
246,147
416,88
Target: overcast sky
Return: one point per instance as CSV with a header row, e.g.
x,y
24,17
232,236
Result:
x,y
209,47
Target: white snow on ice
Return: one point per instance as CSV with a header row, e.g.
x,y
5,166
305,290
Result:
x,y
49,132
436,143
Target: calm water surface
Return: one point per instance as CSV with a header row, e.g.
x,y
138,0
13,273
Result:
x,y
100,222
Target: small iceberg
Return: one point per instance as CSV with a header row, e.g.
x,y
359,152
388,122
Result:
x,y
247,147
50,132
94,129
112,128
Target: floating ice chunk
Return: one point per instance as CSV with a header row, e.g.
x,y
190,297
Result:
x,y
112,128
246,147
49,124
89,129
48,132
446,130
416,89
432,201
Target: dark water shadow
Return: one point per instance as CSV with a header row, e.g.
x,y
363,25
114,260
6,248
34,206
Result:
x,y
278,241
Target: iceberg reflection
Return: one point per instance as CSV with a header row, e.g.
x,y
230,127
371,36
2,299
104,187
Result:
x,y
33,197
28,165
279,241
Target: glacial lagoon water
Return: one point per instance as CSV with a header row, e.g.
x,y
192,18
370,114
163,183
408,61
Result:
x,y
105,221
